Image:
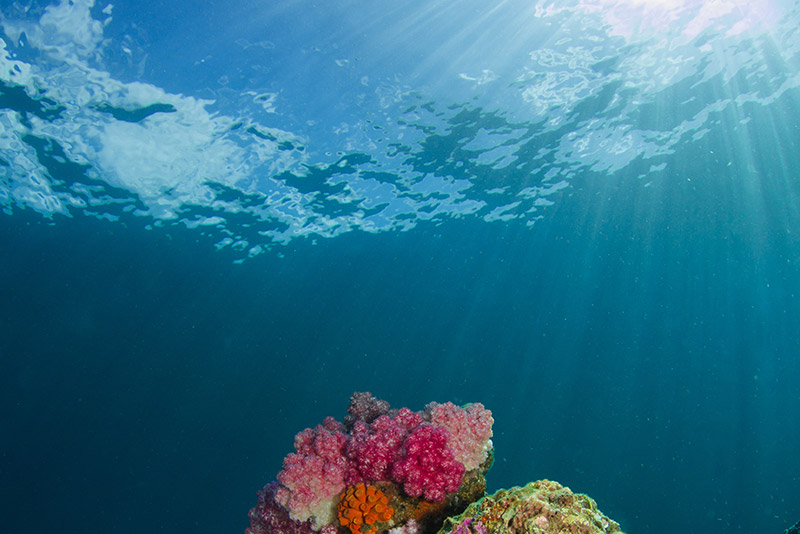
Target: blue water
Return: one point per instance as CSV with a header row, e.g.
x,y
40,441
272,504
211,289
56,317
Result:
x,y
221,220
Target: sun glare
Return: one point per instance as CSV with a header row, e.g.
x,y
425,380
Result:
x,y
685,18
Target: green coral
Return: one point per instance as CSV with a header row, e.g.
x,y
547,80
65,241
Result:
x,y
541,507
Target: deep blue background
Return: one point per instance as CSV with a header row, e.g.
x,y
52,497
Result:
x,y
638,344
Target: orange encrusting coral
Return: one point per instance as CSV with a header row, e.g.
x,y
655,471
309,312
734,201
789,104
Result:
x,y
363,506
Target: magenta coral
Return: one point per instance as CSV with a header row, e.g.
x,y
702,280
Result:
x,y
313,477
373,449
470,430
426,466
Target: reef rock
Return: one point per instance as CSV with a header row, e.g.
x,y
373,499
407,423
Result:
x,y
541,507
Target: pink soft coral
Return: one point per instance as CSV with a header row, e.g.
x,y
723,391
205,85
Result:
x,y
313,477
426,466
470,430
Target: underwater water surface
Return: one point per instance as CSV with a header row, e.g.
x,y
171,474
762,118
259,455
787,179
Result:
x,y
221,219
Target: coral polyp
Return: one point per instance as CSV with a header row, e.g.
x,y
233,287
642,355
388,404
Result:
x,y
361,507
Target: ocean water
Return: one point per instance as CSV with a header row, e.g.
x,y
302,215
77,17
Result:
x,y
220,219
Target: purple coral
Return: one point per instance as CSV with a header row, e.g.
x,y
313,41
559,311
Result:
x,y
364,407
426,466
268,516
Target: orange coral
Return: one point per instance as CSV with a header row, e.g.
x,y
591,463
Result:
x,y
361,507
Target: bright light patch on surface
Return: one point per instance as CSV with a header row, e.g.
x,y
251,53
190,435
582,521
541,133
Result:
x,y
638,19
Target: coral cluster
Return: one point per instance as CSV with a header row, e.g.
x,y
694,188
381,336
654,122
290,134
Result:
x,y
428,465
542,507
362,507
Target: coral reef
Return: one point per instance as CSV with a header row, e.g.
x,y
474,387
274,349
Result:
x,y
421,467
541,507
386,471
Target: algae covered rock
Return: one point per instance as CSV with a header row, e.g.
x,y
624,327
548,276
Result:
x,y
541,507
